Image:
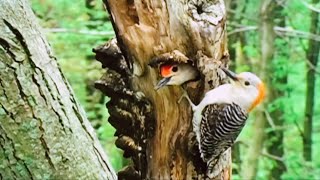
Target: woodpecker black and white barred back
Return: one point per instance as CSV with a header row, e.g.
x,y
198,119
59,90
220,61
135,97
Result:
x,y
220,116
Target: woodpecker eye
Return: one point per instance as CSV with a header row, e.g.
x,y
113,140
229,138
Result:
x,y
246,83
174,69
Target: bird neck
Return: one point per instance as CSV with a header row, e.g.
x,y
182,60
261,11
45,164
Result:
x,y
260,96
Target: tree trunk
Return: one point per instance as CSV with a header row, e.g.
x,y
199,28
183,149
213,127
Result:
x,y
44,133
312,58
275,145
267,37
152,127
251,162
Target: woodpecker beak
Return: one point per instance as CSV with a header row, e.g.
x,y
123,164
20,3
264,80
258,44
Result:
x,y
231,74
162,83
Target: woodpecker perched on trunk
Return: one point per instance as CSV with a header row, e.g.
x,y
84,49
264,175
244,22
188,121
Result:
x,y
176,74
219,118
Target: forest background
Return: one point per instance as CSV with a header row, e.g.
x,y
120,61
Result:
x,y
267,147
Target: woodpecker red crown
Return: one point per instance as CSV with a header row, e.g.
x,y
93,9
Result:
x,y
165,70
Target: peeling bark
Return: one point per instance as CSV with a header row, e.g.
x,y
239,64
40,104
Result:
x,y
44,133
153,120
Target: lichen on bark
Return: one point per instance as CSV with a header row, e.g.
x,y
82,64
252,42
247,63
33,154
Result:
x,y
44,133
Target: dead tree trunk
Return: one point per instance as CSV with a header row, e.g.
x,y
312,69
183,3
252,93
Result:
x,y
151,126
44,133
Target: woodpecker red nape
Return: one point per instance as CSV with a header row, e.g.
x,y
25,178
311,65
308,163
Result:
x,y
165,70
260,97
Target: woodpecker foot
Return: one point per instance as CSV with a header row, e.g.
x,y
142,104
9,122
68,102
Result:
x,y
185,95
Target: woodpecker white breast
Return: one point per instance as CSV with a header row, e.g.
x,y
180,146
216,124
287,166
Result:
x,y
220,116
176,74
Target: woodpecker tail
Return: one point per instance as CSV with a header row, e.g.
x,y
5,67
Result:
x,y
185,95
211,168
218,164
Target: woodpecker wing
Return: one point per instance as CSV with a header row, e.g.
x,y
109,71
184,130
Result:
x,y
220,126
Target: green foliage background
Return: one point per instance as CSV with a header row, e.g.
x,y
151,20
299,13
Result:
x,y
73,50
289,59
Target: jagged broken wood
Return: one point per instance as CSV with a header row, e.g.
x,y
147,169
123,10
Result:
x,y
128,110
149,30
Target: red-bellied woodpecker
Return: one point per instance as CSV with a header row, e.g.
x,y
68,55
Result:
x,y
176,74
220,116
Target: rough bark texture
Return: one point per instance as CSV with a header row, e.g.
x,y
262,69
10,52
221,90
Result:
x,y
152,127
44,133
312,58
267,37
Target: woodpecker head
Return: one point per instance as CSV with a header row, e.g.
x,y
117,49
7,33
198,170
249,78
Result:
x,y
176,74
247,89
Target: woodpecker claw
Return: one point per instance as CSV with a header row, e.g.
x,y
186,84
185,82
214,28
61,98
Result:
x,y
185,95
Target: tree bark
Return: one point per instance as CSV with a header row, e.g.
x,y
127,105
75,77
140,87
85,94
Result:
x,y
44,133
159,137
312,58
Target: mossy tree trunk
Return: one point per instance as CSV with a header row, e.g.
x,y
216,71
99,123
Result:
x,y
152,127
44,133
